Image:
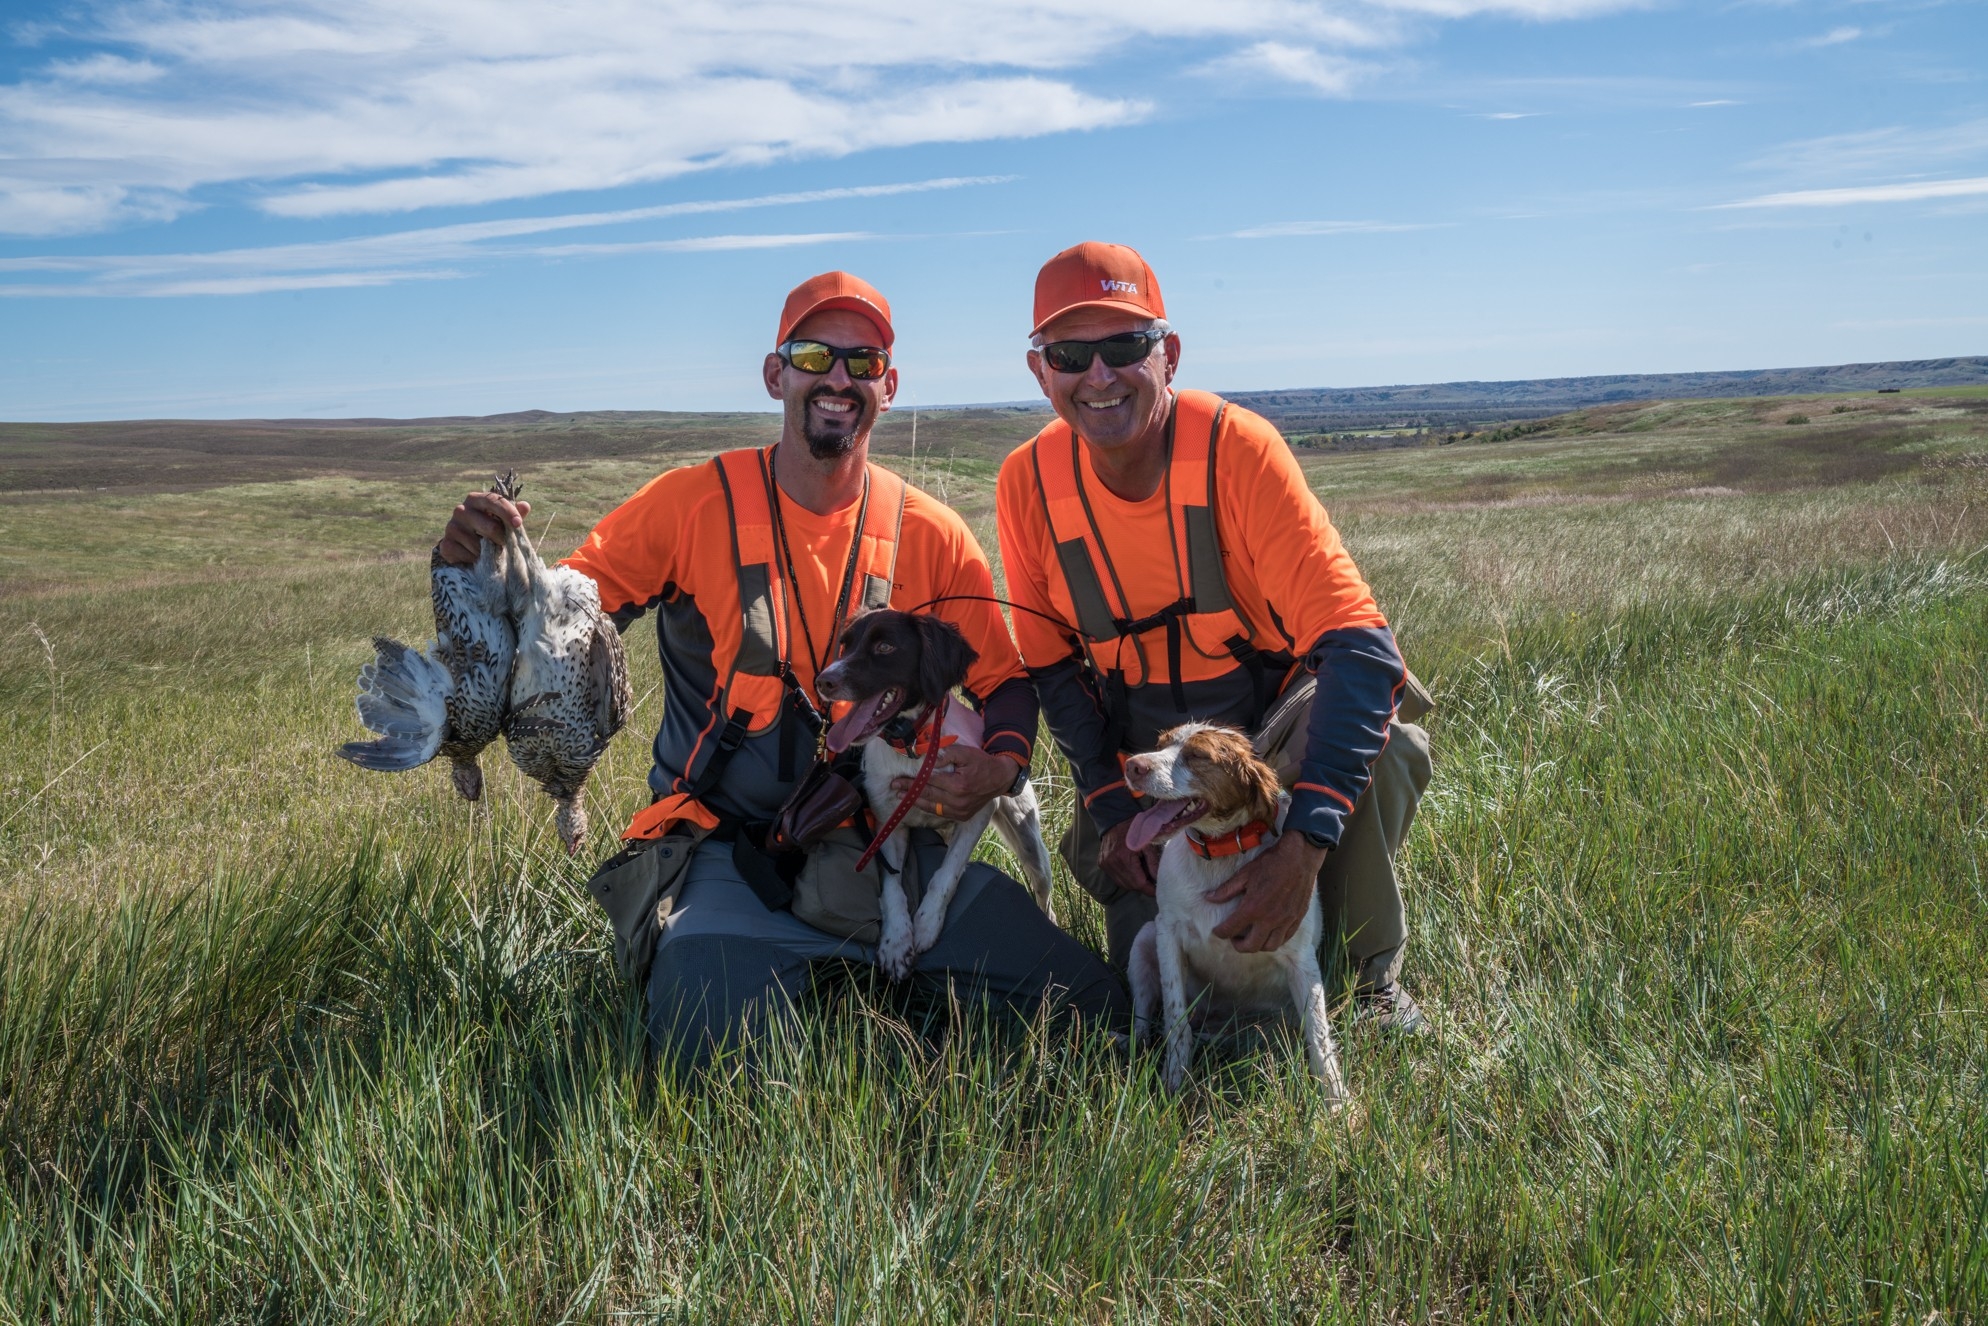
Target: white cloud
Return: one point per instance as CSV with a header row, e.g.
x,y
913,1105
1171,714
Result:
x,y
1328,74
1833,37
1910,192
1532,9
471,240
106,69
1894,149
222,285
1297,229
408,255
328,107
130,275
704,244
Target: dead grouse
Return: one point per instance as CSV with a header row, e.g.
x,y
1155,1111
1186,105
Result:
x,y
451,697
569,683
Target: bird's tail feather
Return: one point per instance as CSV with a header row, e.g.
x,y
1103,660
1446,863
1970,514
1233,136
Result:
x,y
404,697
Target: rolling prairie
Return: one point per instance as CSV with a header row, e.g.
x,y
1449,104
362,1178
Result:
x,y
1697,903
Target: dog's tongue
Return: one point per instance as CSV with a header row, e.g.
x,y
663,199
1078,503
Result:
x,y
863,718
1161,821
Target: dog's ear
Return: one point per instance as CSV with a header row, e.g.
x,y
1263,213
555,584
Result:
x,y
1257,780
943,657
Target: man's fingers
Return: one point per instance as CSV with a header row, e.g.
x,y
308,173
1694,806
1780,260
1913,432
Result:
x,y
1130,873
946,779
492,507
1233,887
479,523
1252,937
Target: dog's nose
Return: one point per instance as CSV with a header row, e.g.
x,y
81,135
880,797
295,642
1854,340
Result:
x,y
1138,766
828,682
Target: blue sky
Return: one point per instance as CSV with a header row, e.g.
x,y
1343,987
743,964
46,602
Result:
x,y
408,207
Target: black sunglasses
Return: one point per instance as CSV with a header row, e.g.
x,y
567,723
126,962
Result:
x,y
1120,351
865,362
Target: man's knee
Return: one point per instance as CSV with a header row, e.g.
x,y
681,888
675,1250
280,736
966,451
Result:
x,y
1003,945
708,993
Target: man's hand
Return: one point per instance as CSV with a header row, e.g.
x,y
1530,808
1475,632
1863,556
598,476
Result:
x,y
1276,890
481,516
963,780
1136,872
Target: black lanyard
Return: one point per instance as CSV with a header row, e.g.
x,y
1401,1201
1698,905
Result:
x,y
817,660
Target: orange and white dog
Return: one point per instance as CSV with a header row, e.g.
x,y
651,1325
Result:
x,y
1217,808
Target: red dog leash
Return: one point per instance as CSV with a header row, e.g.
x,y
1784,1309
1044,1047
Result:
x,y
923,777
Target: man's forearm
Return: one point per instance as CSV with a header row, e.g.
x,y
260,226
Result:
x,y
1081,725
1360,675
1008,720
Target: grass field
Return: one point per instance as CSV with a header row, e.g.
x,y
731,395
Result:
x,y
1697,901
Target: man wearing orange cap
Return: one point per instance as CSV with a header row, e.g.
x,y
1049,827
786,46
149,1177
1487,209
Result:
x,y
1174,566
754,562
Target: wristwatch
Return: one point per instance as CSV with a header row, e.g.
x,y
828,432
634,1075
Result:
x,y
1021,781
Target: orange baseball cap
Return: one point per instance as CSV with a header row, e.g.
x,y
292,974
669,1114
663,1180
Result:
x,y
835,290
1094,275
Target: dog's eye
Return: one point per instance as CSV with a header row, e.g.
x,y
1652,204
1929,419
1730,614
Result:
x,y
883,647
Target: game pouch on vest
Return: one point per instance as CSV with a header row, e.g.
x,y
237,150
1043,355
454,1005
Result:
x,y
831,894
1280,739
637,887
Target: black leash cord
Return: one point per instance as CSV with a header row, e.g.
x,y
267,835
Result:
x,y
989,598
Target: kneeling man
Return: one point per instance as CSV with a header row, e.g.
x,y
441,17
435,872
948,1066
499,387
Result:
x,y
754,562
1174,565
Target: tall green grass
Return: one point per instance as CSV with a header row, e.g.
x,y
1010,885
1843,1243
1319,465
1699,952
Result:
x,y
1697,908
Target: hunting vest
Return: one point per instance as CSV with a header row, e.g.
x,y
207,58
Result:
x,y
748,615
1204,635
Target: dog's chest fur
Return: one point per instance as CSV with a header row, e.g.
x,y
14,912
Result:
x,y
1234,982
883,762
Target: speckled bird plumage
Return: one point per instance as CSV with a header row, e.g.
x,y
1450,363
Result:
x,y
520,648
569,682
450,697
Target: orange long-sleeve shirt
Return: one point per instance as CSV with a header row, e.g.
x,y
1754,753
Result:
x,y
667,545
1292,581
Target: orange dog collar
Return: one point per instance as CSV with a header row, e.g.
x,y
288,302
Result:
x,y
1230,843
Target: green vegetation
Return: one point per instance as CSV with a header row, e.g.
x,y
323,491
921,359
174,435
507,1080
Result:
x,y
1698,906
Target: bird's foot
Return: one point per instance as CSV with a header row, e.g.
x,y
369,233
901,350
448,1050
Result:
x,y
572,824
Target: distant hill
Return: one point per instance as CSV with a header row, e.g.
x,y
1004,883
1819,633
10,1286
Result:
x,y
162,454
1449,404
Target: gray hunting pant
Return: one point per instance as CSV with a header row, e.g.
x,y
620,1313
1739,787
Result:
x,y
1357,885
726,963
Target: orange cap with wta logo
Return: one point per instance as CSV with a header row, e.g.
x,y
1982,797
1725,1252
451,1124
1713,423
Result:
x,y
835,290
1094,275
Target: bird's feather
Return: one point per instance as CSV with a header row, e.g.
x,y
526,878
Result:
x,y
404,697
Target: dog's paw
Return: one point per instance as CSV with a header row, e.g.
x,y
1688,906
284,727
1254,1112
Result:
x,y
896,955
1174,1075
925,928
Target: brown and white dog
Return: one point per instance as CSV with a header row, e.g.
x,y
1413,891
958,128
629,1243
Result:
x,y
1217,808
896,668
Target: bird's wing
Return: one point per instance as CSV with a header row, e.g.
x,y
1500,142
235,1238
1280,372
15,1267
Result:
x,y
607,678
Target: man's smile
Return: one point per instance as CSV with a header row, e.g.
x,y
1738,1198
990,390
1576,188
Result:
x,y
1110,404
